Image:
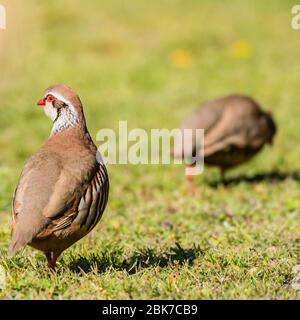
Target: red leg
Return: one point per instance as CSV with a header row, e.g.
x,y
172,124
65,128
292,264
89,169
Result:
x,y
55,256
189,180
50,260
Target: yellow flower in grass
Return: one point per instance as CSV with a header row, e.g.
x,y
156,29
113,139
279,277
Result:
x,y
181,58
241,49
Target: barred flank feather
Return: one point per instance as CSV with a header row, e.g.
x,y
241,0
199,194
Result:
x,y
91,205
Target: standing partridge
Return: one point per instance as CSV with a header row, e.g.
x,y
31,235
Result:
x,y
235,130
63,188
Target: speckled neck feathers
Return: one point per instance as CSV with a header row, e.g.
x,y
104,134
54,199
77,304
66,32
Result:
x,y
66,118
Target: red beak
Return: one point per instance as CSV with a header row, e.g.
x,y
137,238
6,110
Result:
x,y
41,102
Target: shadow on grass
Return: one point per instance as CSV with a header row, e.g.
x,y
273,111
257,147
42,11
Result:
x,y
144,258
271,177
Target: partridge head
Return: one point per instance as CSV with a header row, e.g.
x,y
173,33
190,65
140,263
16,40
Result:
x,y
63,188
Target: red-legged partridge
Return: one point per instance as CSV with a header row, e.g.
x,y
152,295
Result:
x,y
235,127
63,188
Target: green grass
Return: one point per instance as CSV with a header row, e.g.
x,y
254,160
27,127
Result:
x,y
155,241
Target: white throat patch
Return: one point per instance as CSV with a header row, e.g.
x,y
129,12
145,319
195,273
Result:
x,y
62,118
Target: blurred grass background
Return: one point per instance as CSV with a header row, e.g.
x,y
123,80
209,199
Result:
x,y
150,63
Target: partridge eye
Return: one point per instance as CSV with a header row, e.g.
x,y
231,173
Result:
x,y
50,99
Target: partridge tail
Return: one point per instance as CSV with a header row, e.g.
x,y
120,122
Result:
x,y
19,240
13,247
23,234
16,244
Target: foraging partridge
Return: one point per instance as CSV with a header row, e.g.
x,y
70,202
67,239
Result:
x,y
235,130
63,188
